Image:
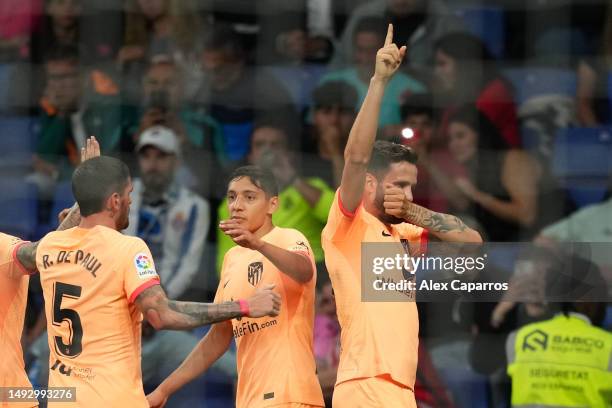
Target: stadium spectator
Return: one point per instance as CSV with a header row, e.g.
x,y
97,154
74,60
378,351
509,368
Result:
x,y
548,361
591,224
162,27
368,34
303,201
235,94
64,24
292,55
292,40
435,163
70,112
333,115
172,220
163,103
594,106
419,23
467,73
501,185
60,27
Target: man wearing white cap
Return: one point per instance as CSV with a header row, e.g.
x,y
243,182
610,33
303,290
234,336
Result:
x,y
171,219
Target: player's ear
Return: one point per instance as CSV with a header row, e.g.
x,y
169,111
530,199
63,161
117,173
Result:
x,y
371,182
272,205
113,203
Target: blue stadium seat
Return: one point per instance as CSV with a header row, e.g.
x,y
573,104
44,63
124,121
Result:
x,y
18,138
486,23
530,82
63,198
581,161
18,207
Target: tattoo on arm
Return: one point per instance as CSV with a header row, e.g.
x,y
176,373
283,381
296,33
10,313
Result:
x,y
200,314
26,254
434,221
163,313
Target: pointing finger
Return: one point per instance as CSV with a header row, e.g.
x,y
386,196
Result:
x,y
389,38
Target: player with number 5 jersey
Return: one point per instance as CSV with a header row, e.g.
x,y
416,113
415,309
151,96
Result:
x,y
98,284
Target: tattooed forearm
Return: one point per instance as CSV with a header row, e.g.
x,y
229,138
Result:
x,y
26,254
200,314
443,223
433,221
163,313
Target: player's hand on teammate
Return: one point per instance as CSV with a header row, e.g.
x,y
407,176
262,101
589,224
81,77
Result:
x,y
395,202
389,57
157,399
90,150
265,302
240,235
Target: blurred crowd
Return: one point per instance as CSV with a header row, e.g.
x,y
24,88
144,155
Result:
x,y
506,103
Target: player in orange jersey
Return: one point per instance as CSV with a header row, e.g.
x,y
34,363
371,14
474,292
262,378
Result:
x,y
98,284
14,280
276,365
379,340
17,263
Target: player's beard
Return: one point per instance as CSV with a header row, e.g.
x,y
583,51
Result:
x,y
379,205
124,217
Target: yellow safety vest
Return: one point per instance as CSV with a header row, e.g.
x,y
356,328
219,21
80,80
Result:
x,y
561,362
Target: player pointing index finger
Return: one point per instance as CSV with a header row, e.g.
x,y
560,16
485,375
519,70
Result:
x,y
379,339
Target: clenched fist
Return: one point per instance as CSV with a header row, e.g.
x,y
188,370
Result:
x,y
265,302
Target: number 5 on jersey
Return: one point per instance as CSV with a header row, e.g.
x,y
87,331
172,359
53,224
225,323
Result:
x,y
70,316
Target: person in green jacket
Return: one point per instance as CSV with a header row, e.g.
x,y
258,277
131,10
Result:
x,y
304,201
565,361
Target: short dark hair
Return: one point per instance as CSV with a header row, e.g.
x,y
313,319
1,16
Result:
x,y
280,122
95,180
335,93
386,153
224,38
417,104
262,178
377,25
489,136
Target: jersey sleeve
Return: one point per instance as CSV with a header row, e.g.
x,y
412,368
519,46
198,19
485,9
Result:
x,y
340,221
297,242
138,269
19,268
8,256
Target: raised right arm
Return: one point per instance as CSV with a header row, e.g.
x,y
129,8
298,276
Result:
x,y
363,133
